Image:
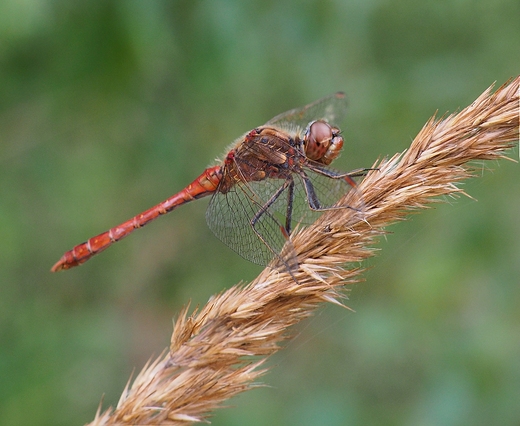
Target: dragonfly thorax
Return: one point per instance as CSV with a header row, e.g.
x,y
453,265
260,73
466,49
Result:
x,y
322,142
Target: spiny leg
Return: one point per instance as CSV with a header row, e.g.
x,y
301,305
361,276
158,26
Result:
x,y
290,202
312,198
335,175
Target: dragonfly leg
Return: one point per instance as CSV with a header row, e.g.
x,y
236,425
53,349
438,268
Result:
x,y
312,198
290,202
287,255
335,175
264,210
353,173
289,183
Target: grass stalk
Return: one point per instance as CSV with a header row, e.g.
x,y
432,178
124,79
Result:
x,y
218,351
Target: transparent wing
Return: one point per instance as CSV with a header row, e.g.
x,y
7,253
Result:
x,y
251,217
332,108
230,217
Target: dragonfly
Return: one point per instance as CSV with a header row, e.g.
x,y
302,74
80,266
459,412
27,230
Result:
x,y
271,179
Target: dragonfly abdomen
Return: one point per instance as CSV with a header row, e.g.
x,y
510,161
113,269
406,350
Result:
x,y
206,184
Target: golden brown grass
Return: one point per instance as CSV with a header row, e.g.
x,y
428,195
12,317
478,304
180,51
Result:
x,y
219,351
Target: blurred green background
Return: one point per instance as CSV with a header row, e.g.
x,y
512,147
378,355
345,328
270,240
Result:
x,y
108,107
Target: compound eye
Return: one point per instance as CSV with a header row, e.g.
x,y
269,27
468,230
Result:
x,y
317,139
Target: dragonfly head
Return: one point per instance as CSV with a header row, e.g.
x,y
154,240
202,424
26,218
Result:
x,y
322,142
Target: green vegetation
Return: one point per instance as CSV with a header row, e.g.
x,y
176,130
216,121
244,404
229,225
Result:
x,y
108,107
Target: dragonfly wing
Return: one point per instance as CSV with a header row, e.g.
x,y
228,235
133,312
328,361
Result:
x,y
332,108
230,217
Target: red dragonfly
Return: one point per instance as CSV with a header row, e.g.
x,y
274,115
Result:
x,y
271,177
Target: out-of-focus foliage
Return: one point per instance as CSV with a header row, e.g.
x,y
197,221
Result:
x,y
108,107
